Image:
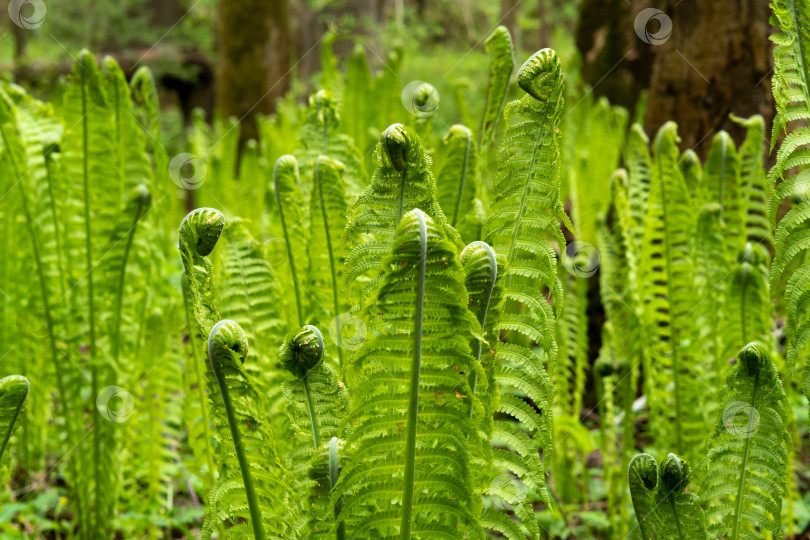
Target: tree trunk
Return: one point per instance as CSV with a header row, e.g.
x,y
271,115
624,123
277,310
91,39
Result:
x,y
615,62
254,59
717,61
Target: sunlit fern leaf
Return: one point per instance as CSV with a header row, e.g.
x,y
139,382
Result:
x,y
663,509
319,136
402,182
791,90
572,331
758,229
523,220
604,129
354,106
13,393
331,79
410,410
721,183
457,182
252,486
327,221
639,171
743,480
666,281
199,233
748,307
711,285
251,295
502,62
692,172
290,225
316,402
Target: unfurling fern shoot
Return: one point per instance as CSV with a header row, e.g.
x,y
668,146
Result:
x,y
743,480
410,410
523,220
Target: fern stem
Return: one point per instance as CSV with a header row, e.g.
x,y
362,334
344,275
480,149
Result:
x,y
334,472
290,257
209,450
735,533
482,316
413,402
335,294
675,337
463,182
313,418
236,435
671,499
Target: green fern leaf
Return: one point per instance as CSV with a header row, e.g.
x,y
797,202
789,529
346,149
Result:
x,y
502,63
457,182
743,480
13,393
692,172
721,181
410,411
639,169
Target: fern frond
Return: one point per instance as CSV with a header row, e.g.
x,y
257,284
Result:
x,y
743,480
199,232
748,306
457,182
411,408
666,278
754,185
663,509
291,225
502,62
402,182
639,177
692,172
327,222
721,182
316,402
319,136
252,484
523,220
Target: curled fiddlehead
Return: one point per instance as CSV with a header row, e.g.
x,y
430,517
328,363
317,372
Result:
x,y
199,232
663,509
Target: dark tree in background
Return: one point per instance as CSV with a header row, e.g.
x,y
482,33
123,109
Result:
x,y
715,61
254,59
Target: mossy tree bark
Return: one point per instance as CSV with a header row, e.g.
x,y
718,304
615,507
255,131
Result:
x,y
254,59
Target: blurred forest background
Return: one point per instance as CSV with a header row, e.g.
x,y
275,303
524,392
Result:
x,y
239,58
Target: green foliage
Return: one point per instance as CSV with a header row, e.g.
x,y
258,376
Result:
x,y
743,482
663,509
417,359
13,393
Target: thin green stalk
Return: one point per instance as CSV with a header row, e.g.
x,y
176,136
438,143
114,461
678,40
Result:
x,y
413,403
313,418
735,533
463,182
236,436
335,294
290,257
